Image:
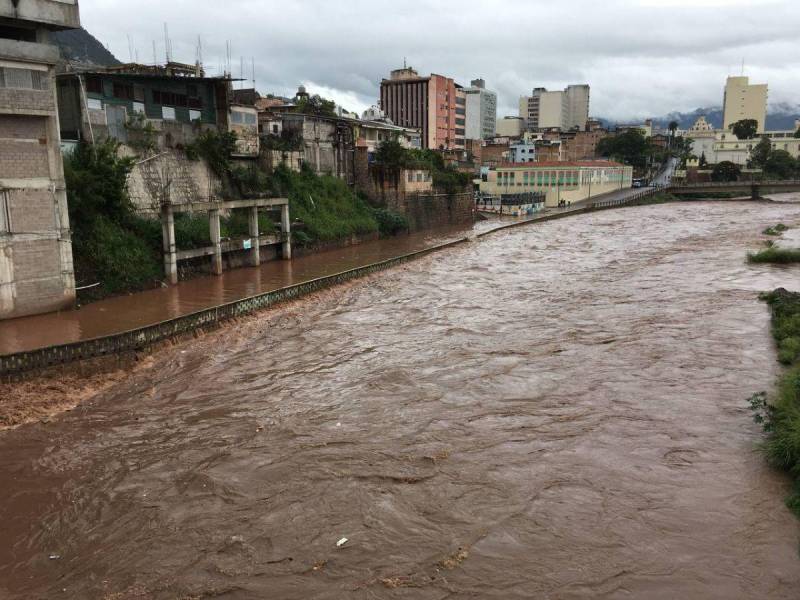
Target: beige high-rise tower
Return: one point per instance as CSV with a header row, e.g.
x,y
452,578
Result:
x,y
744,101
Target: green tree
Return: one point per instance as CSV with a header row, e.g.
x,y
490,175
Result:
x,y
761,153
781,165
630,147
110,244
797,133
445,178
315,105
391,153
96,182
745,129
703,161
726,171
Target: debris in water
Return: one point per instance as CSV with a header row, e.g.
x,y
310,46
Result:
x,y
341,542
55,556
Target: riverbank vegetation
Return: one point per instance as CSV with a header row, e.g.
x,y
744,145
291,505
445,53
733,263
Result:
x,y
779,415
446,179
113,249
774,254
775,230
116,250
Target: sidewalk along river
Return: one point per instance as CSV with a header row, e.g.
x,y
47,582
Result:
x,y
548,412
124,313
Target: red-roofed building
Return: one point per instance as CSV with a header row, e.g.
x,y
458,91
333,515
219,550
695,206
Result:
x,y
562,182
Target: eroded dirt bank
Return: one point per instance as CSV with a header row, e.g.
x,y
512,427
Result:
x,y
553,412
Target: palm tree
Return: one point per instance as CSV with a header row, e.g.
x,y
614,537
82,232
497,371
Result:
x,y
673,127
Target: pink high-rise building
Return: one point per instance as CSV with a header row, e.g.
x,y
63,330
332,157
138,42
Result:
x,y
434,104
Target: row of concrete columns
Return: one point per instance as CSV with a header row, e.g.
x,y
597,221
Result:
x,y
171,251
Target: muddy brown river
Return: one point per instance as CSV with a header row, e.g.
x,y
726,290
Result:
x,y
554,411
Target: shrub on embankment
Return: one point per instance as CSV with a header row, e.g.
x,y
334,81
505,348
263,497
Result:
x,y
775,254
111,245
328,208
121,251
780,415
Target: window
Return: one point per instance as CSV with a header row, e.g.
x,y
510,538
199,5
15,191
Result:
x,y
410,177
94,85
123,91
170,99
242,118
195,115
23,79
94,104
167,113
138,107
419,177
20,34
275,128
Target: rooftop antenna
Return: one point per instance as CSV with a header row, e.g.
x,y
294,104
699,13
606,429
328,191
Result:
x,y
742,66
405,66
155,56
130,48
253,65
241,72
167,48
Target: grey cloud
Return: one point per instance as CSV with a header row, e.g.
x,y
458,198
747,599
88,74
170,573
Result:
x,y
641,58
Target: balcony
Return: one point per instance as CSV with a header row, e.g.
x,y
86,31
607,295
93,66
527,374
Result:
x,y
53,14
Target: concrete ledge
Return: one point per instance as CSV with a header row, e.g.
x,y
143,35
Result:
x,y
231,246
31,52
57,14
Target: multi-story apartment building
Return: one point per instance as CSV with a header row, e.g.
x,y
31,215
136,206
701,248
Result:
x,y
481,111
577,100
512,127
565,109
744,101
36,272
434,104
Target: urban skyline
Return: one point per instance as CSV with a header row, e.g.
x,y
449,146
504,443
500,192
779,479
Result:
x,y
675,61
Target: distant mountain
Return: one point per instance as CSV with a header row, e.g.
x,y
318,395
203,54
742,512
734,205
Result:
x,y
79,47
781,117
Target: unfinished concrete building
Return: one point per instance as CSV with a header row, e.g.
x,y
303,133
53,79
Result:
x,y
36,273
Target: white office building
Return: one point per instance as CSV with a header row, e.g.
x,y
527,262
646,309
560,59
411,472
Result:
x,y
566,109
481,117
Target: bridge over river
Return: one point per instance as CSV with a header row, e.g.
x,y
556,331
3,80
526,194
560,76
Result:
x,y
755,189
548,412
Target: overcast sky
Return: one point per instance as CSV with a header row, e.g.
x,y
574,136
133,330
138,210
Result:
x,y
641,57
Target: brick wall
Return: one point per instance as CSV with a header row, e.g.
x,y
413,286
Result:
x,y
27,99
23,147
22,127
32,211
23,160
424,210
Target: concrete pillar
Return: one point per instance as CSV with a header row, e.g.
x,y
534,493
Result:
x,y
213,228
170,251
255,250
286,249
